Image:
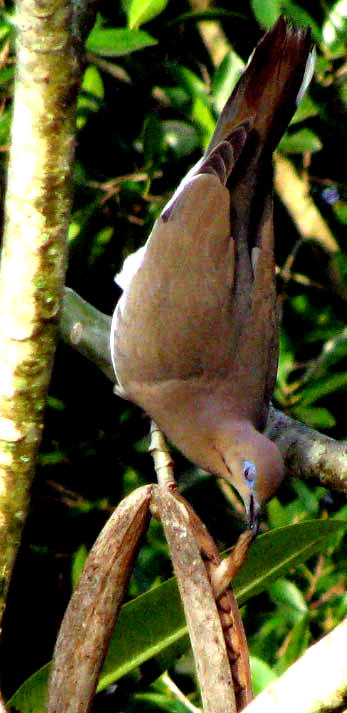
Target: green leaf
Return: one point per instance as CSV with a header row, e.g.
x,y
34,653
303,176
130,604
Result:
x,y
125,4
56,404
90,96
339,265
203,119
152,626
152,140
301,17
31,696
225,78
177,97
7,25
340,211
274,553
52,458
141,11
301,141
188,80
266,13
309,497
157,618
78,561
6,74
262,674
306,109
101,239
335,348
180,136
277,514
285,594
92,82
314,416
335,29
5,127
117,42
298,641
285,363
323,387
211,15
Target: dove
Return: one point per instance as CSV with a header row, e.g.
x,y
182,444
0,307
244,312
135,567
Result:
x,y
194,336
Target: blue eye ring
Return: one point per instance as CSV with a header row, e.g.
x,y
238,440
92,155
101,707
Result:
x,y
250,473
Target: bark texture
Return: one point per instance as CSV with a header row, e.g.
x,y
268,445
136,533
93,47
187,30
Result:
x,y
33,260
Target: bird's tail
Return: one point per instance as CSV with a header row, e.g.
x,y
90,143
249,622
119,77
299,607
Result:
x,y
271,87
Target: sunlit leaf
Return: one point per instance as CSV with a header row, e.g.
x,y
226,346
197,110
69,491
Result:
x,y
301,141
277,551
180,136
55,403
286,593
335,29
276,513
78,561
117,42
90,96
188,80
31,696
5,126
203,119
262,674
340,210
309,496
297,644
225,78
101,239
125,4
323,387
306,109
153,626
6,75
301,17
266,13
314,416
141,11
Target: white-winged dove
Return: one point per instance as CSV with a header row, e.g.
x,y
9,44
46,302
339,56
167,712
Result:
x,y
194,337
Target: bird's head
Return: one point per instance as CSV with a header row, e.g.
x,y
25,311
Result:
x,y
254,467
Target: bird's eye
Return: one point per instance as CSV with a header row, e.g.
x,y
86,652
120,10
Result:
x,y
250,473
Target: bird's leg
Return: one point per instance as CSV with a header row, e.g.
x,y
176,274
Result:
x,y
223,575
163,463
220,572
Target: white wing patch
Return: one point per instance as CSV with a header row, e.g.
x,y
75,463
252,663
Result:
x,y
310,65
130,266
133,262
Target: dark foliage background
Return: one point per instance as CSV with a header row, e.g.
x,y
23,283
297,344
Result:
x,y
143,117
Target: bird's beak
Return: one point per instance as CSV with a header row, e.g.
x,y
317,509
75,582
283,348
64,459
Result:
x,y
253,513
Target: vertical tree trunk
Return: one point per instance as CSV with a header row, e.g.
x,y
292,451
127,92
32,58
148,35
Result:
x,y
33,260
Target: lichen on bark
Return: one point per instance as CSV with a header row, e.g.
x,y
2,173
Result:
x,y
33,261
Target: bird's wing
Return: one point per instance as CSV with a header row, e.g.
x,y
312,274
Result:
x,y
258,343
175,312
196,308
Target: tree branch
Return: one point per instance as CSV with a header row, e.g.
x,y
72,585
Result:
x,y
86,329
317,682
33,261
307,453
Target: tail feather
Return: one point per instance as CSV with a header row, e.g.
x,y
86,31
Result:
x,y
271,87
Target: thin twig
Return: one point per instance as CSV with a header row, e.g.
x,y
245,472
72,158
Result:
x,y
178,694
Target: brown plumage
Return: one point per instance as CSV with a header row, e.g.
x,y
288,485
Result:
x,y
194,337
